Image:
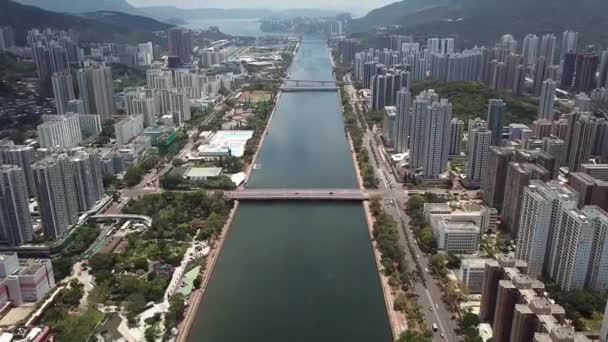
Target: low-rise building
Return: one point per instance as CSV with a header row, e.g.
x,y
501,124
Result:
x,y
202,174
457,236
471,274
24,280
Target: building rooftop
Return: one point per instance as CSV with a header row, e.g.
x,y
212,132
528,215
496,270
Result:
x,y
200,172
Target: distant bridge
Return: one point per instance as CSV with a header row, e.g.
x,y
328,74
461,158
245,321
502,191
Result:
x,y
298,195
146,219
305,82
307,89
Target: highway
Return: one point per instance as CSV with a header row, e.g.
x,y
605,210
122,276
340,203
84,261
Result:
x,y
429,295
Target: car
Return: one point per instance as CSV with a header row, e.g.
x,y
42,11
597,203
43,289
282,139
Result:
x,y
437,306
442,335
331,192
431,308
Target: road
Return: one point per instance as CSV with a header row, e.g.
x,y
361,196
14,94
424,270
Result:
x,y
429,295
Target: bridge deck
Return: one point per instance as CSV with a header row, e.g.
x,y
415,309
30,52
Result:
x,y
301,88
296,194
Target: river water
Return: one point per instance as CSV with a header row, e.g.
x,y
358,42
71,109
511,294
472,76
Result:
x,y
298,271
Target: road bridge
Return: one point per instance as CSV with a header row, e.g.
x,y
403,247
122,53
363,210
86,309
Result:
x,y
298,195
307,89
146,219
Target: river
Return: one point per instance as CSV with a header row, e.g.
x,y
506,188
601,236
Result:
x,y
298,271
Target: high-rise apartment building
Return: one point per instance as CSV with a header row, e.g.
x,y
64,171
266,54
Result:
x,y
7,37
15,219
87,179
547,48
388,124
436,139
496,119
586,69
180,44
547,100
402,121
493,183
97,90
479,145
530,49
64,132
23,157
569,43
57,199
421,109
519,176
456,134
128,128
540,206
590,190
515,305
63,91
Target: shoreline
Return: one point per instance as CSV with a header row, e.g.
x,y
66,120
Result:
x,y
397,320
196,297
263,137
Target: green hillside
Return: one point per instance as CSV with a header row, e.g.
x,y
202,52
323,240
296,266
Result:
x,y
132,29
483,21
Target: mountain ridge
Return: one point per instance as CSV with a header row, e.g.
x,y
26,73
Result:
x,y
483,21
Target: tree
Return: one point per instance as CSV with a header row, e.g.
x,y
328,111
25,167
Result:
x,y
412,336
196,283
109,180
72,294
170,181
133,175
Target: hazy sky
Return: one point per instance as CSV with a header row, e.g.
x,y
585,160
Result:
x,y
353,5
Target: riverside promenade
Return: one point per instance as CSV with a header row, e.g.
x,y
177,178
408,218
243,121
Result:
x,y
196,296
397,319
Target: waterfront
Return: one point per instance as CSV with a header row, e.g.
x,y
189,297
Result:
x,y
298,272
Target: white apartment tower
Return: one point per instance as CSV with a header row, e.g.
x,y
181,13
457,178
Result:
x,y
15,220
540,208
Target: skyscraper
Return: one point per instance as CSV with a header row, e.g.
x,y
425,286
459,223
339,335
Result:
x,y
569,43
496,119
540,205
15,220
456,133
478,155
540,71
57,197
24,157
402,121
547,100
530,49
493,183
63,90
421,109
603,70
519,176
87,179
180,43
430,147
547,47
586,68
97,90
7,37
63,132
580,142
568,69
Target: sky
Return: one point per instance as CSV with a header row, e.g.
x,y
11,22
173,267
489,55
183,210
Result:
x,y
357,6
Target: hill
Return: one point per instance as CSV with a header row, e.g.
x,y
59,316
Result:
x,y
168,12
133,29
483,21
392,13
128,21
81,6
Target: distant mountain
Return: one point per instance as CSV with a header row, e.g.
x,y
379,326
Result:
x,y
128,21
483,21
393,13
106,26
81,6
168,12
